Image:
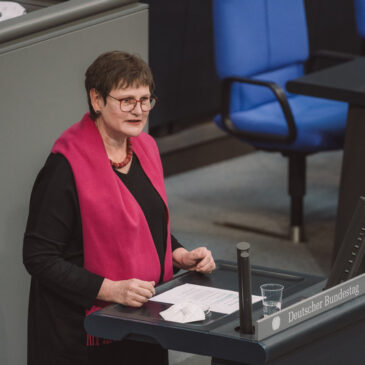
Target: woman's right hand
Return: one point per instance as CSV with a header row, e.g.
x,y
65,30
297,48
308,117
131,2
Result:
x,y
132,292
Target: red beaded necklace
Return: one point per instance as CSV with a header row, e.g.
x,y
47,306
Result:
x,y
119,165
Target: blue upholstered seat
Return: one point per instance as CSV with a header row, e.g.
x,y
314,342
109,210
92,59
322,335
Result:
x,y
359,7
360,17
320,123
266,41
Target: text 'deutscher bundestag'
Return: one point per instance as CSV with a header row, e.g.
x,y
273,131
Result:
x,y
310,307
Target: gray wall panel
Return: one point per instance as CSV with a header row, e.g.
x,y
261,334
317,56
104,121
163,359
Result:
x,y
42,94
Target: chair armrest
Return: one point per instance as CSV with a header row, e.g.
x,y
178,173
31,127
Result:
x,y
258,137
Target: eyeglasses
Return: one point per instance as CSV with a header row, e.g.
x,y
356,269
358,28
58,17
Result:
x,y
128,104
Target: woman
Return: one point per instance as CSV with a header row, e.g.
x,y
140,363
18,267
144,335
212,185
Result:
x,y
98,230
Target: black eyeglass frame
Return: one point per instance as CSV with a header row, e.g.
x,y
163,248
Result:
x,y
152,99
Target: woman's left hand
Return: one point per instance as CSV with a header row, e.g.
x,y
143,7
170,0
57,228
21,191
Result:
x,y
199,259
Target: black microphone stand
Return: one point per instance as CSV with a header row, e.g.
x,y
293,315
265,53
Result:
x,y
244,287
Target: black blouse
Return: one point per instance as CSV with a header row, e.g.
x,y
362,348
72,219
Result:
x,y
61,289
152,206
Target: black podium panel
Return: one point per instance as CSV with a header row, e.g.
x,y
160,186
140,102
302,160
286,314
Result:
x,y
217,336
224,277
344,82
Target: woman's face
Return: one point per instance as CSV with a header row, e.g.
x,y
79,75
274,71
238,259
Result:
x,y
116,122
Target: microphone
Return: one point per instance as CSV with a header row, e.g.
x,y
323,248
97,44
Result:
x,y
244,287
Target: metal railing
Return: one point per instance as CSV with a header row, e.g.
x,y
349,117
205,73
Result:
x,y
54,16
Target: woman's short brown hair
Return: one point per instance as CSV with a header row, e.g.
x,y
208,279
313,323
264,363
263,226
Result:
x,y
116,69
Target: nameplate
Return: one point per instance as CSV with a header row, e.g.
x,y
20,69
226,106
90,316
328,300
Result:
x,y
310,307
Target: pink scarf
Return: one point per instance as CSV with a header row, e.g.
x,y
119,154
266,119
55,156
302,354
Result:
x,y
118,244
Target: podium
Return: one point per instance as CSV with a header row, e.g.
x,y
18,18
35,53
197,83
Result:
x,y
344,82
335,336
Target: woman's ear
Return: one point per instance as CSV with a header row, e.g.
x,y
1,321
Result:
x,y
96,100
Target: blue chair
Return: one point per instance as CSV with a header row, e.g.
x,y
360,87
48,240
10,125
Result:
x,y
259,46
359,6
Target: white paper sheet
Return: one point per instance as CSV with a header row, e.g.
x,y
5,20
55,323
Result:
x,y
183,313
10,9
218,300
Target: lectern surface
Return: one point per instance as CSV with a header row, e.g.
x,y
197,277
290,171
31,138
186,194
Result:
x,y
217,335
224,277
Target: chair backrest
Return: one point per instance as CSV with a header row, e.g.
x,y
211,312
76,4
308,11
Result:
x,y
360,17
261,39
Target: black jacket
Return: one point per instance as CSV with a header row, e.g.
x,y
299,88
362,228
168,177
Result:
x,y
61,289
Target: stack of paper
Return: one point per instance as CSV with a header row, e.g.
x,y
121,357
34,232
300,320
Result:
x,y
217,300
183,313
